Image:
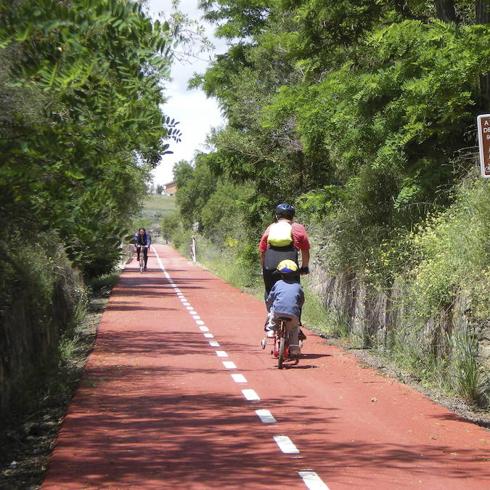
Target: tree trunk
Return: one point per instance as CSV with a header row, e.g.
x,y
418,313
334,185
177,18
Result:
x,y
445,10
482,15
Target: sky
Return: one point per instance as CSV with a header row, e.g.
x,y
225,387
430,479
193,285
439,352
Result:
x,y
197,114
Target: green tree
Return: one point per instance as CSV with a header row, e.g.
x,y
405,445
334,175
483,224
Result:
x,y
194,187
77,160
365,104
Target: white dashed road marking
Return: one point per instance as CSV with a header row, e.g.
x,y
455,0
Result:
x,y
265,416
250,395
286,445
312,480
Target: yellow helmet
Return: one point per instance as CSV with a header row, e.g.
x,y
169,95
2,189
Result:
x,y
287,267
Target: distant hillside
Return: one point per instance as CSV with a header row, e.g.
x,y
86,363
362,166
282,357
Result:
x,y
154,209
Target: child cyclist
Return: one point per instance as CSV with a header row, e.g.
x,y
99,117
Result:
x,y
285,300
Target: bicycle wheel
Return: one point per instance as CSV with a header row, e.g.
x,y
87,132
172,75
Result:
x,y
282,346
142,261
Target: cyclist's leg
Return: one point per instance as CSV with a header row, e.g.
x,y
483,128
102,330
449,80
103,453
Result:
x,y
138,250
145,255
293,327
269,281
302,336
270,324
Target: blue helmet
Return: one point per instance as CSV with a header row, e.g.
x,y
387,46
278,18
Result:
x,y
285,210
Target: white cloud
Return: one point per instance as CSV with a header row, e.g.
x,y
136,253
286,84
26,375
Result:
x,y
196,113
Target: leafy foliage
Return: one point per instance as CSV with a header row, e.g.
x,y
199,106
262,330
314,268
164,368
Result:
x,y
361,108
82,83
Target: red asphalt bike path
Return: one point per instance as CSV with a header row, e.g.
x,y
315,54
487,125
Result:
x,y
157,408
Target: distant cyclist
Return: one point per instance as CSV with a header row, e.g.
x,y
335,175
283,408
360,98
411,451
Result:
x,y
142,242
283,240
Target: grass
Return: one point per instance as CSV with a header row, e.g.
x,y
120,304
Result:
x,y
229,268
156,207
468,378
101,286
315,315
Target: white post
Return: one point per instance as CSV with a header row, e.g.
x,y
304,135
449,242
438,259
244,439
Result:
x,y
193,250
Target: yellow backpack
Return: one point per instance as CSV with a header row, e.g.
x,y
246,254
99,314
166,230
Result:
x,y
280,234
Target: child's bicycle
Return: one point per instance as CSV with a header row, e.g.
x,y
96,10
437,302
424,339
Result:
x,y
280,344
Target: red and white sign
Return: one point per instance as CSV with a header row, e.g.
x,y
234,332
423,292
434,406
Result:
x,y
484,143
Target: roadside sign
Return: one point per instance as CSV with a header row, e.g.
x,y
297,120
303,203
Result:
x,y
484,142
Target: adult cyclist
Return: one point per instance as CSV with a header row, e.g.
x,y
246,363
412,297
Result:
x,y
142,242
283,240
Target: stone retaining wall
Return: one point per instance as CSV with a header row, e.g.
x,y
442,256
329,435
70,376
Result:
x,y
370,315
30,329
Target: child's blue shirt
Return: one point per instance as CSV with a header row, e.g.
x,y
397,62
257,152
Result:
x,y
286,297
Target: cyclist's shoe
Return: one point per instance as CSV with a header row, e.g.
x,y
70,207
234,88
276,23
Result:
x,y
270,333
301,335
266,324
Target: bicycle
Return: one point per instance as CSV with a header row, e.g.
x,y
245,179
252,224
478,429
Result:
x,y
281,341
142,254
